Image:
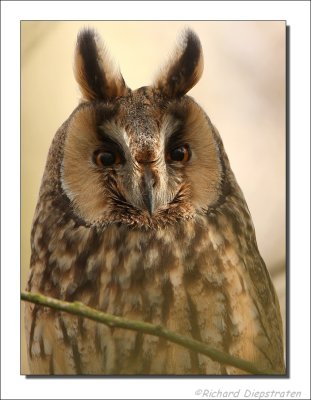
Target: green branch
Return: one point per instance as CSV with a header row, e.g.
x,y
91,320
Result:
x,y
82,310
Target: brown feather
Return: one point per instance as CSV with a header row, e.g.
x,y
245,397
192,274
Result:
x,y
192,265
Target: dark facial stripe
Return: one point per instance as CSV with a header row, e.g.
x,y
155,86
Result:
x,y
110,144
104,112
106,138
176,139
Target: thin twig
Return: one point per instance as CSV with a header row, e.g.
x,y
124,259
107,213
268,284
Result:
x,y
78,308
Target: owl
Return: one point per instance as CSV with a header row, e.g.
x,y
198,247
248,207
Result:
x,y
140,215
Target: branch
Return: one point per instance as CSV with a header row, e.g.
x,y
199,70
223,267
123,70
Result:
x,y
78,308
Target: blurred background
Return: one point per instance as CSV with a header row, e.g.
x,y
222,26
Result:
x,y
242,90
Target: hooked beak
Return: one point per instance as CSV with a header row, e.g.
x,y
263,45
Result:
x,y
148,189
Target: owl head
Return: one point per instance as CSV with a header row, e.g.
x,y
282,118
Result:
x,y
144,157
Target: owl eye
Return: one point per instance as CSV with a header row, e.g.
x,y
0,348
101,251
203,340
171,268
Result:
x,y
180,153
106,158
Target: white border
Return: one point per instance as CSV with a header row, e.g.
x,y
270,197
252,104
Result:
x,y
297,14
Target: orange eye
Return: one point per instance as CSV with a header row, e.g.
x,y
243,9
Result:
x,y
105,158
181,154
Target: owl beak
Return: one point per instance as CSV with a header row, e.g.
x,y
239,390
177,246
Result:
x,y
148,190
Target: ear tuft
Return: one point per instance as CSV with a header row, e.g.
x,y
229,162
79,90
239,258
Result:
x,y
184,69
94,71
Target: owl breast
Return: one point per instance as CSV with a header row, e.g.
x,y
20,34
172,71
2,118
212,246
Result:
x,y
184,277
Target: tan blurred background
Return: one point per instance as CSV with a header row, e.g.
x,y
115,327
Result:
x,y
242,90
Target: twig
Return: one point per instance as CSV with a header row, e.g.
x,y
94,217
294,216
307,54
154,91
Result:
x,y
78,308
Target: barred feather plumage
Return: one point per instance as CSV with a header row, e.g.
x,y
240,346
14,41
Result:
x,y
140,215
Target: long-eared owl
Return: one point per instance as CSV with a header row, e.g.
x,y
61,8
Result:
x,y
139,215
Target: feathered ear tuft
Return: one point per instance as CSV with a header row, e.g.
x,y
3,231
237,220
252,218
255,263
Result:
x,y
95,73
184,69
